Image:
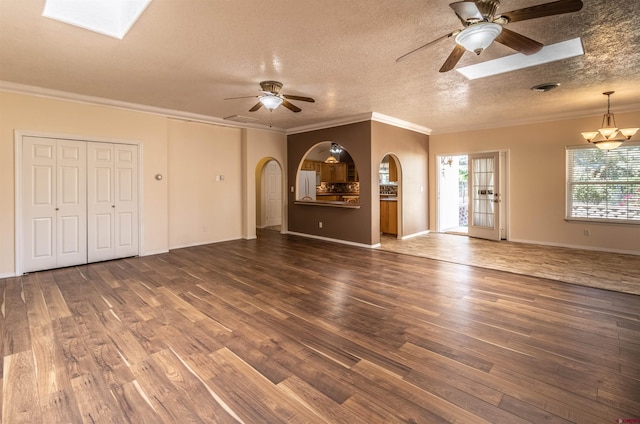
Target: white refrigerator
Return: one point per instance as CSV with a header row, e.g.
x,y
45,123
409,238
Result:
x,y
306,185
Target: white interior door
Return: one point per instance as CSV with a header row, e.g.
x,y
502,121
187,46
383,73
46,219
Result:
x,y
53,203
126,197
100,203
484,195
273,193
112,206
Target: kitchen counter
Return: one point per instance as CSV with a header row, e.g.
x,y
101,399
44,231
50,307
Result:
x,y
330,203
388,199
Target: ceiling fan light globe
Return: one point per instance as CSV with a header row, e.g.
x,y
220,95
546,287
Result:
x,y
475,38
270,101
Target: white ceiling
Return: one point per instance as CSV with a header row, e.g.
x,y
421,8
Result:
x,y
188,55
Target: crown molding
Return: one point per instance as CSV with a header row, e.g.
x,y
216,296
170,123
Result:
x,y
581,114
389,120
12,87
369,116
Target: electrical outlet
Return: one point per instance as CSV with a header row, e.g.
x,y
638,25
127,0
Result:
x,y
586,232
319,224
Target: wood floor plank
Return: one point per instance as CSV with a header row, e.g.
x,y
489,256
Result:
x,y
15,331
61,407
205,403
324,408
168,403
21,402
94,400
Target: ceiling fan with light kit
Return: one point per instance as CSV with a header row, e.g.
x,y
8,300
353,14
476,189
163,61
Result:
x,y
271,98
483,25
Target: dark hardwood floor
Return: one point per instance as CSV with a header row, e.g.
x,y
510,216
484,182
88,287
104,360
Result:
x,y
287,329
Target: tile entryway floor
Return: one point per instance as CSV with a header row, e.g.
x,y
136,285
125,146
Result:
x,y
611,271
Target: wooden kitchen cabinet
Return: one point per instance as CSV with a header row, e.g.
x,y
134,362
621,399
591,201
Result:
x,y
333,172
393,170
389,217
308,165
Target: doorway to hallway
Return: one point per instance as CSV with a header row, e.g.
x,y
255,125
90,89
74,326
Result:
x,y
453,194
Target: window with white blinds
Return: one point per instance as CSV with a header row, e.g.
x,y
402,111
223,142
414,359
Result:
x,y
604,185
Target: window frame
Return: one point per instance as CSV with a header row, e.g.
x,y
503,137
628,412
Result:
x,y
570,183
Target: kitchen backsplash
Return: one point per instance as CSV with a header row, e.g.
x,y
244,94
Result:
x,y
390,189
325,187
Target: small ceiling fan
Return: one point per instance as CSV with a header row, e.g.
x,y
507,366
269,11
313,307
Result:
x,y
271,97
482,26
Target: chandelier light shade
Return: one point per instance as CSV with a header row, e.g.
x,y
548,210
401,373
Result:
x,y
609,136
476,38
335,148
270,101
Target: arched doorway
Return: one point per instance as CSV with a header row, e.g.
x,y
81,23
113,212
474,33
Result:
x,y
269,195
390,180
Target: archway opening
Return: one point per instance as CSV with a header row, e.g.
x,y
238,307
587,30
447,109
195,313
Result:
x,y
328,173
269,195
389,179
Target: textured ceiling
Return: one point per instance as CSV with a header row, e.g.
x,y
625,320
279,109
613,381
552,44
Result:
x,y
188,55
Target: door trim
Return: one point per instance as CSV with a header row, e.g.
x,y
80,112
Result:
x,y
18,136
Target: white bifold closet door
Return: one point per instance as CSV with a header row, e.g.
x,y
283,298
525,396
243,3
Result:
x,y
112,203
54,224
80,202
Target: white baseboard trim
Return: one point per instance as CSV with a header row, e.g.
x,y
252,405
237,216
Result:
x,y
350,243
9,275
577,246
421,233
154,252
202,243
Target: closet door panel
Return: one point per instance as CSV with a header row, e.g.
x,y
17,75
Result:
x,y
53,203
126,182
38,203
101,203
71,203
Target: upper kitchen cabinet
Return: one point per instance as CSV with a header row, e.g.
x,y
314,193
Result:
x,y
333,172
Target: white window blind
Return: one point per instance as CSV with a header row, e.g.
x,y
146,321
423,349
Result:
x,y
604,185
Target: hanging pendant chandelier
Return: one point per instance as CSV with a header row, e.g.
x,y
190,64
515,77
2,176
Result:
x,y
609,136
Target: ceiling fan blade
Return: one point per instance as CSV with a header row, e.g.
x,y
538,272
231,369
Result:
x,y
548,9
466,11
453,58
518,42
406,55
300,98
256,107
290,106
241,97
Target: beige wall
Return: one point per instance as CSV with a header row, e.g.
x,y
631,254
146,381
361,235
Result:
x,y
205,183
260,147
30,113
411,149
187,155
536,169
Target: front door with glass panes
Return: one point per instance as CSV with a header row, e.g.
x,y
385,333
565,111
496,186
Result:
x,y
484,195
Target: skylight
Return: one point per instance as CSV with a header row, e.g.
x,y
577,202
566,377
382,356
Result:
x,y
550,53
109,17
